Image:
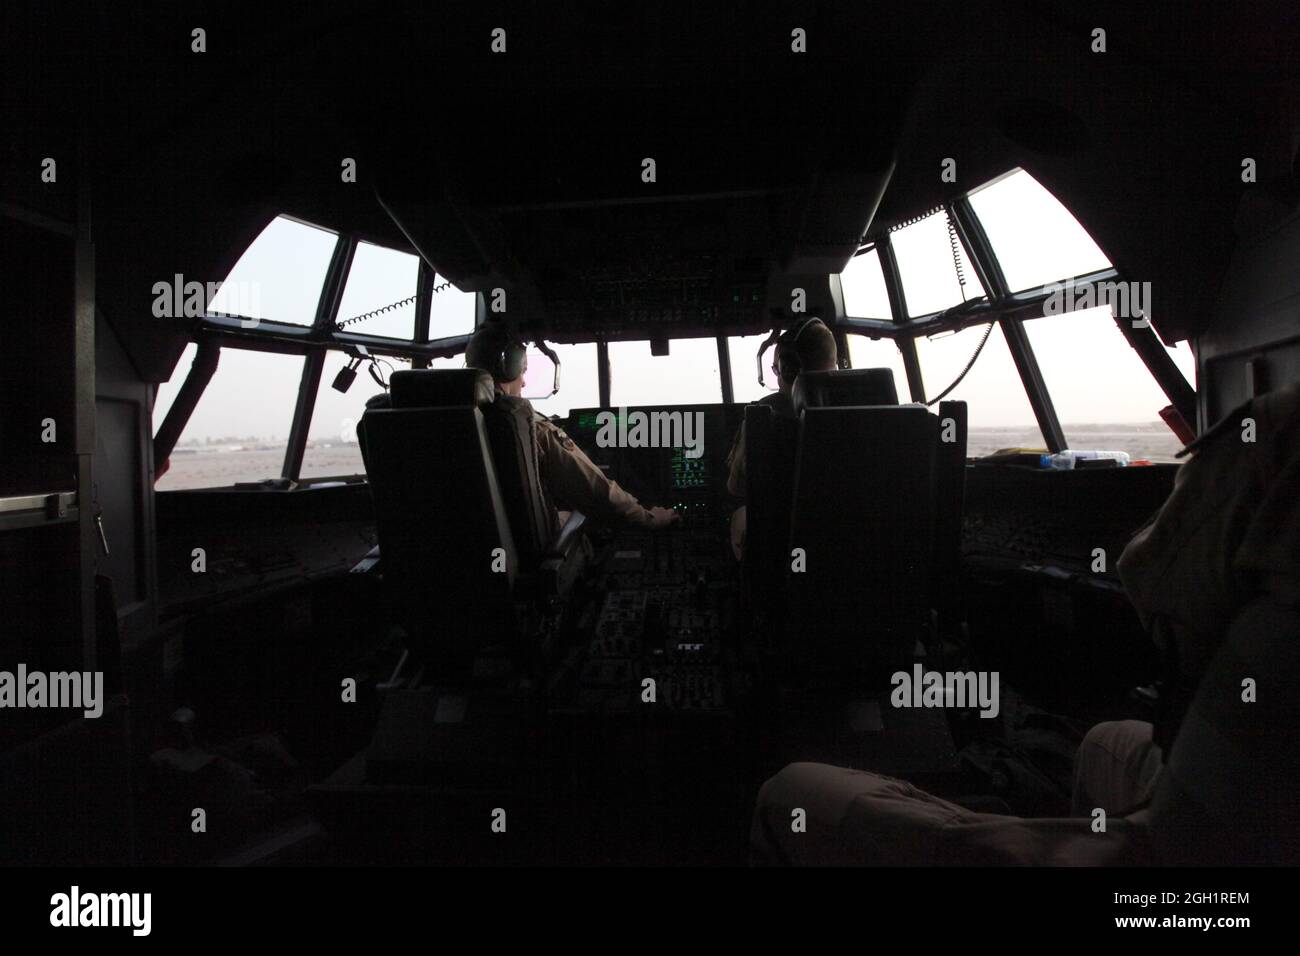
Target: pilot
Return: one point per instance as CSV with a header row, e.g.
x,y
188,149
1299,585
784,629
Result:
x,y
809,347
1215,577
572,480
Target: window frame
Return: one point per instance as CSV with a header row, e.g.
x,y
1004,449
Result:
x,y
215,331
839,282
724,383
1009,310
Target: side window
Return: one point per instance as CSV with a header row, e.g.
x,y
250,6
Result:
x,y
579,381
378,278
240,428
1103,393
932,279
687,375
280,275
452,311
999,413
741,349
332,449
863,282
865,352
168,390
1036,239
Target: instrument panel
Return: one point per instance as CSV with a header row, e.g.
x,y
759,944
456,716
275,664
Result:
x,y
669,455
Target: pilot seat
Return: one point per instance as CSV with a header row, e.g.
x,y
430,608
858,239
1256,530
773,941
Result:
x,y
854,521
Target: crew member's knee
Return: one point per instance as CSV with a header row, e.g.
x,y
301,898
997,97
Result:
x,y
1116,764
778,796
782,790
821,814
1117,736
1122,742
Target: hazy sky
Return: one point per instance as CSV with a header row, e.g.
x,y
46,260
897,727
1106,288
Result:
x,y
1091,373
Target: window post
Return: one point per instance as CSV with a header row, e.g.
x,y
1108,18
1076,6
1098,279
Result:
x,y
602,371
423,308
898,305
327,311
724,370
990,273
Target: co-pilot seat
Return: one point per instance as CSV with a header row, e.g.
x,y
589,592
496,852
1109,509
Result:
x,y
771,450
439,514
863,543
453,475
549,556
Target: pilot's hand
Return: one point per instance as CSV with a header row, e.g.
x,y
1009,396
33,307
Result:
x,y
663,517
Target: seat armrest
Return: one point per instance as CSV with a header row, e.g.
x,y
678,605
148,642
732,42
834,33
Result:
x,y
568,536
564,559
367,564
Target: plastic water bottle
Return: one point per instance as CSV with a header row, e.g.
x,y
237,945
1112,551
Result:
x,y
1065,460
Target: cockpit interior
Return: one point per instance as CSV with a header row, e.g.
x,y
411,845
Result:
x,y
342,604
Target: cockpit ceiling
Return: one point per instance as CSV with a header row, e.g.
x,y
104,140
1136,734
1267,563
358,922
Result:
x,y
524,169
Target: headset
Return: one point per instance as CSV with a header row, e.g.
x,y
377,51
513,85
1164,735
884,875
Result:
x,y
787,357
505,355
514,360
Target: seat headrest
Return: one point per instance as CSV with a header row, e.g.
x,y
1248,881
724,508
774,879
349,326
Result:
x,y
441,388
844,387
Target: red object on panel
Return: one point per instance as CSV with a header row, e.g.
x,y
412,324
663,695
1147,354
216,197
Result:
x,y
1177,424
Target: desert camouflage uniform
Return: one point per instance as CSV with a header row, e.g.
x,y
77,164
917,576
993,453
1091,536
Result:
x,y
573,481
1215,576
736,469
